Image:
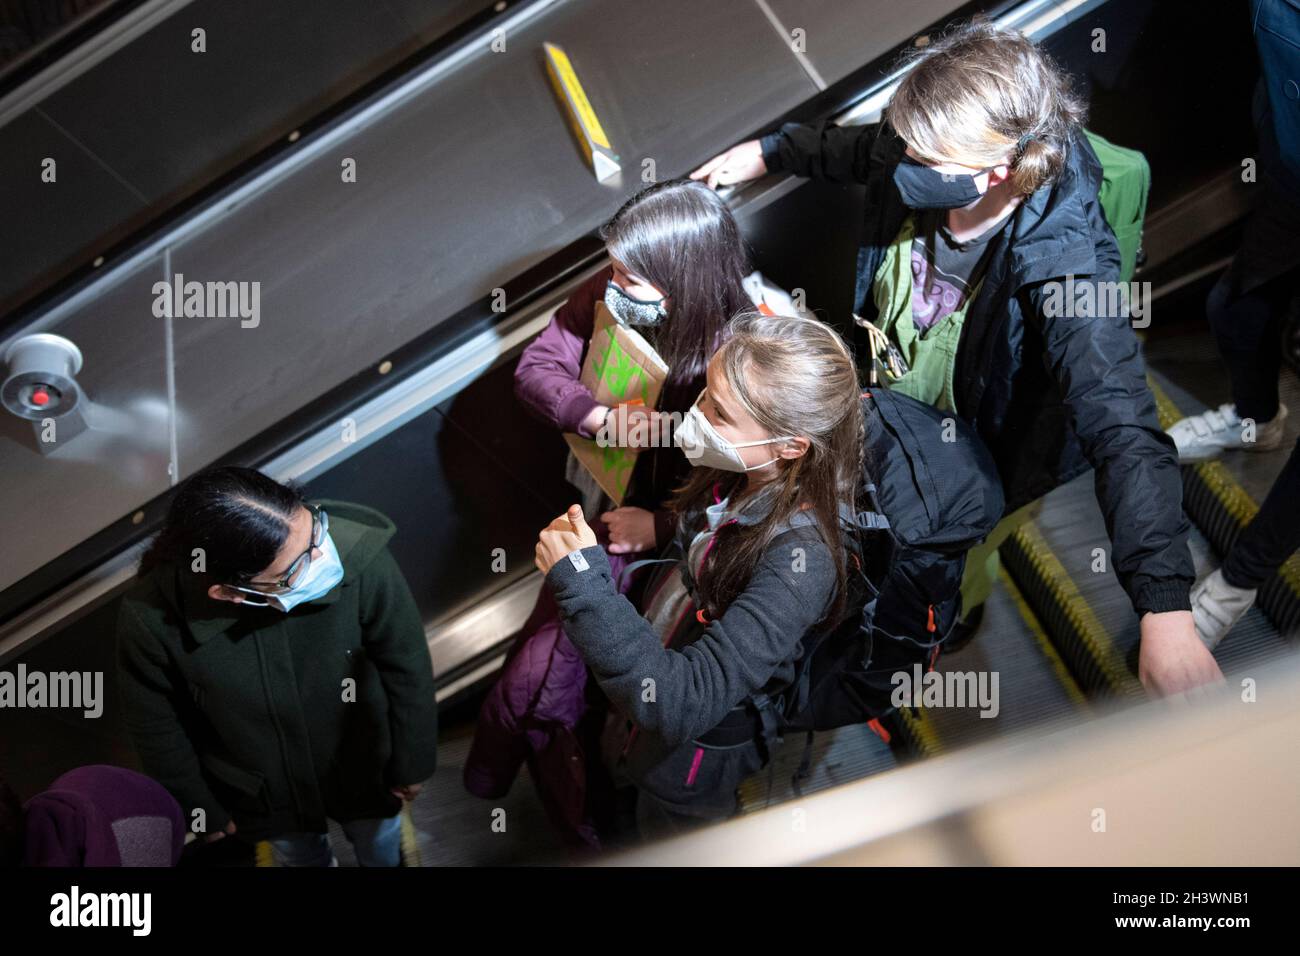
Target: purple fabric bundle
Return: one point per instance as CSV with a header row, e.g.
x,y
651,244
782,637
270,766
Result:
x,y
104,816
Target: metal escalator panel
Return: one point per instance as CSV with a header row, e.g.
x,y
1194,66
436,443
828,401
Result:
x,y
51,502
453,480
343,273
129,144
423,232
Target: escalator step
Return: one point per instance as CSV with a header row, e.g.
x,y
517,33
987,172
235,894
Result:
x,y
1062,560
1035,558
1216,498
1033,685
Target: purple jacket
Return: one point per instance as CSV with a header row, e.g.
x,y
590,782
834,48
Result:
x,y
103,816
546,378
533,711
547,382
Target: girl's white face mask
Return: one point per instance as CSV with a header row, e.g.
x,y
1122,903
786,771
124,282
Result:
x,y
705,448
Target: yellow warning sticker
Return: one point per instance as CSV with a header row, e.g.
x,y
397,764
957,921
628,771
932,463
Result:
x,y
567,81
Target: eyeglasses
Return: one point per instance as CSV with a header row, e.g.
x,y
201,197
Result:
x,y
297,572
972,170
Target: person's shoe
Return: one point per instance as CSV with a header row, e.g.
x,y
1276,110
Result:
x,y
1217,606
1206,436
964,630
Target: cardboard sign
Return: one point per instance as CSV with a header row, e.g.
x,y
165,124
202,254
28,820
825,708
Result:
x,y
620,368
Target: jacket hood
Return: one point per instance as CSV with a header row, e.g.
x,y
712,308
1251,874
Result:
x,y
1051,232
359,534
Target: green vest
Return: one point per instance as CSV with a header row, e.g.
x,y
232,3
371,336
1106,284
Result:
x,y
930,359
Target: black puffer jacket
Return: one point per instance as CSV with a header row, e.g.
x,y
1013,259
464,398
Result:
x,y
1050,396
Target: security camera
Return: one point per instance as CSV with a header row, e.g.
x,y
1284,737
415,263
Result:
x,y
40,386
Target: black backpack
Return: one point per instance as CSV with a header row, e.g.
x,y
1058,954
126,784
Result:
x,y
930,493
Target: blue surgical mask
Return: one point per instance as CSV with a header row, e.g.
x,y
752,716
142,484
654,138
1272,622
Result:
x,y
923,187
322,576
629,311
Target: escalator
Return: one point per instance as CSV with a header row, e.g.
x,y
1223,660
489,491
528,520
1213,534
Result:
x,y
384,376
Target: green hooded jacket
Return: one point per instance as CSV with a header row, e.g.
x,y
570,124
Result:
x,y
277,719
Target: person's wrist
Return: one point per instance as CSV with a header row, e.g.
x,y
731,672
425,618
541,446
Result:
x,y
604,428
592,421
566,564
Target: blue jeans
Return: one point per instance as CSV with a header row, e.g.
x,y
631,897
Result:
x,y
377,842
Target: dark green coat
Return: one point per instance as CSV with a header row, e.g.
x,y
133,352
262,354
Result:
x,y
241,710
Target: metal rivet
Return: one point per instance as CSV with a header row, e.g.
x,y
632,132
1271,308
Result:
x,y
137,517
293,137
385,367
99,261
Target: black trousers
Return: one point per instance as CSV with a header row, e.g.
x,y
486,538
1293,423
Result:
x,y
1273,535
1247,308
1248,330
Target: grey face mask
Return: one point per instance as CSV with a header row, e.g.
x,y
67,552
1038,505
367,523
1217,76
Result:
x,y
629,311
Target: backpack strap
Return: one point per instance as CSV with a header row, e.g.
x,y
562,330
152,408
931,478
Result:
x,y
675,551
871,521
637,565
804,770
756,718
770,722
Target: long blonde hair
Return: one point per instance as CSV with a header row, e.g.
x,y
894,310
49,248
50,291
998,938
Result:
x,y
980,92
794,376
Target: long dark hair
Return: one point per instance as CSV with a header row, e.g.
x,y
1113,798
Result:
x,y
239,517
681,237
794,376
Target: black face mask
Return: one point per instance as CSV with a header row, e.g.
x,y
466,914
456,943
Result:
x,y
925,188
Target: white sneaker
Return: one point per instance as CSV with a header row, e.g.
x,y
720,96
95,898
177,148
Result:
x,y
1206,436
1217,606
